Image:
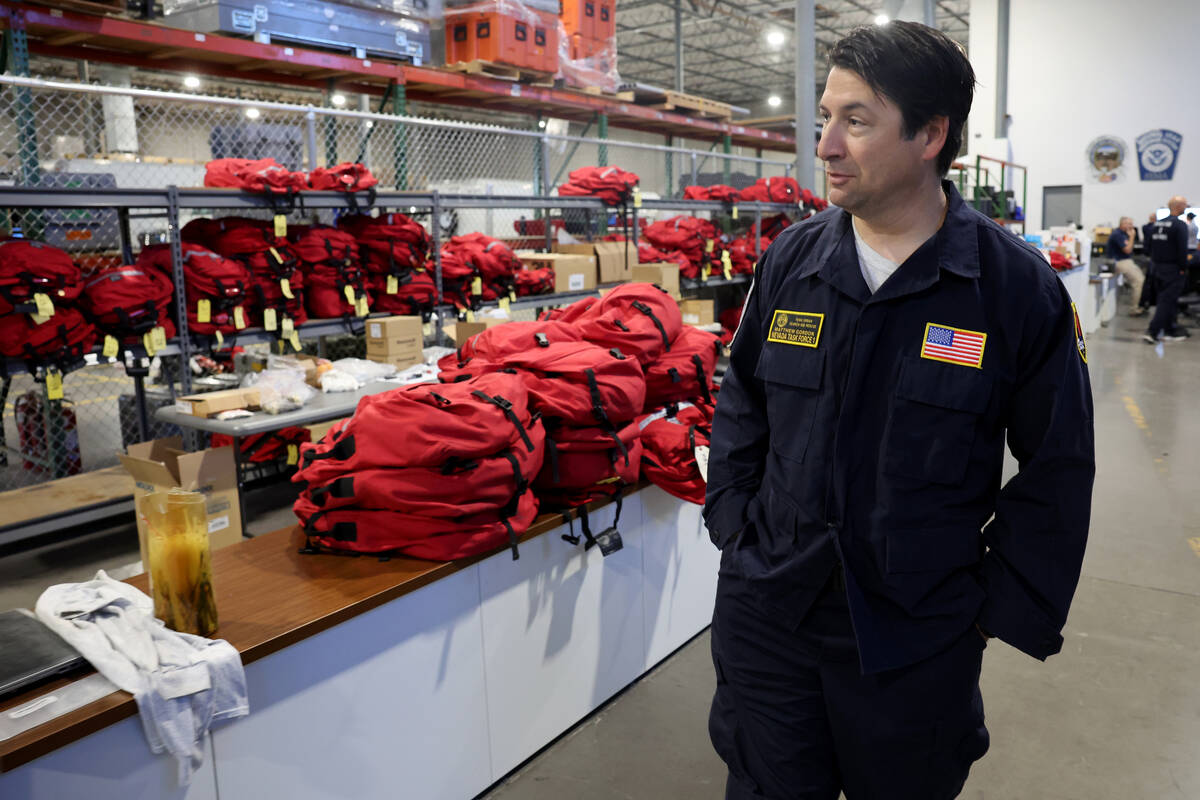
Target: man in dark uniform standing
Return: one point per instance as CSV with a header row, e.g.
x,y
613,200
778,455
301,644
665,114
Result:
x,y
887,349
1168,269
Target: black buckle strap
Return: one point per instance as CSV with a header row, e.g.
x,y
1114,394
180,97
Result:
x,y
341,489
507,407
597,402
702,379
638,305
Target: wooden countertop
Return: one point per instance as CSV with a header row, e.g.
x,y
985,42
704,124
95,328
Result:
x,y
269,596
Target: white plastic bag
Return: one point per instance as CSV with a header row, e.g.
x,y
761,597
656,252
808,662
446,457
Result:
x,y
280,390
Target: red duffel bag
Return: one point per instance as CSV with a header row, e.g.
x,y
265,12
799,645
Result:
x,y
695,193
612,185
127,302
64,338
686,372
669,439
254,175
346,177
772,190
639,319
28,268
333,278
222,284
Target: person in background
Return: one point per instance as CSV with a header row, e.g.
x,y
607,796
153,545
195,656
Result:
x,y
1146,233
1120,250
1193,233
1169,254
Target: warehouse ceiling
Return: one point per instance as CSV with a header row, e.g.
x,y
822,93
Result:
x,y
726,53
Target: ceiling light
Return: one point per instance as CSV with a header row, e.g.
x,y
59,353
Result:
x,y
882,19
774,101
191,82
776,38
339,99
541,123
253,113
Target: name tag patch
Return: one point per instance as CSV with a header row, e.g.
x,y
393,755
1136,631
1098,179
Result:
x,y
801,328
953,345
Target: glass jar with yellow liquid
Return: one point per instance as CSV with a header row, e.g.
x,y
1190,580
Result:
x,y
180,564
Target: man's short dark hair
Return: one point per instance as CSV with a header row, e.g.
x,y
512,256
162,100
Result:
x,y
920,70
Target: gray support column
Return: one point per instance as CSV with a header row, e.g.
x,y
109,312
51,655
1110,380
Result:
x,y
931,13
679,45
1002,69
806,91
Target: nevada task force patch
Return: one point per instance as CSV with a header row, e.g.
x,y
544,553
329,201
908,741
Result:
x,y
802,328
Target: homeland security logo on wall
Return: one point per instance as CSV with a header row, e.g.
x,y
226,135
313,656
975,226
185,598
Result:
x,y
1158,151
1106,156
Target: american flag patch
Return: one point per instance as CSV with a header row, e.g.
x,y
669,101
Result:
x,y
953,345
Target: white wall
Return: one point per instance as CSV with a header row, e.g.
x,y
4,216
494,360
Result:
x,y
1080,70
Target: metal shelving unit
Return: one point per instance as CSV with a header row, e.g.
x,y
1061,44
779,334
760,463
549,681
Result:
x,y
172,200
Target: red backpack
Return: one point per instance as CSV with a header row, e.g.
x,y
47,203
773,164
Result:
x,y
495,261
586,464
332,272
742,256
415,293
28,268
669,439
772,190
612,185
569,313
581,384
686,372
264,448
459,486
346,177
389,243
253,175
534,281
695,193
639,319
65,338
489,350
457,275
773,226
127,302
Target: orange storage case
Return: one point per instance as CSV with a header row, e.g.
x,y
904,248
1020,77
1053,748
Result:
x,y
480,32
544,44
582,17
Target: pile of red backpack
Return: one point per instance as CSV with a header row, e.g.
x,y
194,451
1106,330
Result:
x,y
336,283
460,485
39,322
277,287
534,281
267,175
697,240
217,290
477,268
743,256
612,185
563,407
719,191
395,252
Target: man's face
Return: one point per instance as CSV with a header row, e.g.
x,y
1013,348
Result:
x,y
1127,225
869,162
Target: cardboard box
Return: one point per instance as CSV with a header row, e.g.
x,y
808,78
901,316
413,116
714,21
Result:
x,y
1100,235
614,262
161,465
212,403
465,330
318,430
697,312
395,340
572,272
662,273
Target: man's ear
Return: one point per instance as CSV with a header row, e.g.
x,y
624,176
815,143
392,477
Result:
x,y
935,133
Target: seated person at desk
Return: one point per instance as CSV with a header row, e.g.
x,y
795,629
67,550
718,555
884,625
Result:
x,y
1120,250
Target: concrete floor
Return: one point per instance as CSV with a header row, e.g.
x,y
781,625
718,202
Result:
x,y
1115,716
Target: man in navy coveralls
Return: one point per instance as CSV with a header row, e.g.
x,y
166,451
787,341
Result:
x,y
888,349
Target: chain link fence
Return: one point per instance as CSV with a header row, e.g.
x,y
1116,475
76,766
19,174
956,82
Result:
x,y
64,135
